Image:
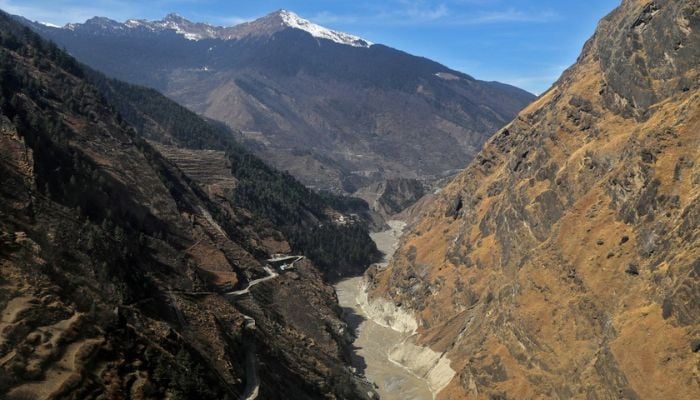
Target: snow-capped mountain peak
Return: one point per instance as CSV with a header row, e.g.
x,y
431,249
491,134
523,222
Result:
x,y
190,30
292,20
264,26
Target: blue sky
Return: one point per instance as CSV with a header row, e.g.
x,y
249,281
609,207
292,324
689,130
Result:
x,y
527,43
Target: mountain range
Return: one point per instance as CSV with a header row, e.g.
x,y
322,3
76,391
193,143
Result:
x,y
336,111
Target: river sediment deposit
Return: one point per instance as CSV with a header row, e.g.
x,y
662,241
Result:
x,y
384,350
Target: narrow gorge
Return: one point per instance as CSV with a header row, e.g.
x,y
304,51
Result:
x,y
385,349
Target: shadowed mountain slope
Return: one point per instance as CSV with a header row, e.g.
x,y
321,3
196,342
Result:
x,y
114,262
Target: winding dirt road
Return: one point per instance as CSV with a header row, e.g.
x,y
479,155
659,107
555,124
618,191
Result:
x,y
252,382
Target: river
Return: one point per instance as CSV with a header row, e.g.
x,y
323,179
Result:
x,y
374,341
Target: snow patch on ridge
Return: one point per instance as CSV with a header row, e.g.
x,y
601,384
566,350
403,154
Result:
x,y
292,20
133,23
181,26
49,24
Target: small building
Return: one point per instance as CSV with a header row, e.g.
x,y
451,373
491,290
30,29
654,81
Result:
x,y
285,267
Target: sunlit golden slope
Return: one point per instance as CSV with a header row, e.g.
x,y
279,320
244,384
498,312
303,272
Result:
x,y
564,262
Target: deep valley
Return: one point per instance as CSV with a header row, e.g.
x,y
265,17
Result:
x,y
279,210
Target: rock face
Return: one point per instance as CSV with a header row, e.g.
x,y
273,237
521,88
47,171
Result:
x,y
393,195
114,263
564,262
336,112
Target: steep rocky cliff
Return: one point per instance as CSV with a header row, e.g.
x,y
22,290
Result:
x,y
114,264
392,196
564,262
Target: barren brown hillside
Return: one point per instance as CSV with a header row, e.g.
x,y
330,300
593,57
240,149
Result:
x,y
564,262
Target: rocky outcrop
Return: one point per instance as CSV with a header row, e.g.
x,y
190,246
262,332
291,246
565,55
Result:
x,y
392,196
563,262
425,363
386,313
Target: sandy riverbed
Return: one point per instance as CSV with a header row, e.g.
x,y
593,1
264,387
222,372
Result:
x,y
374,341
